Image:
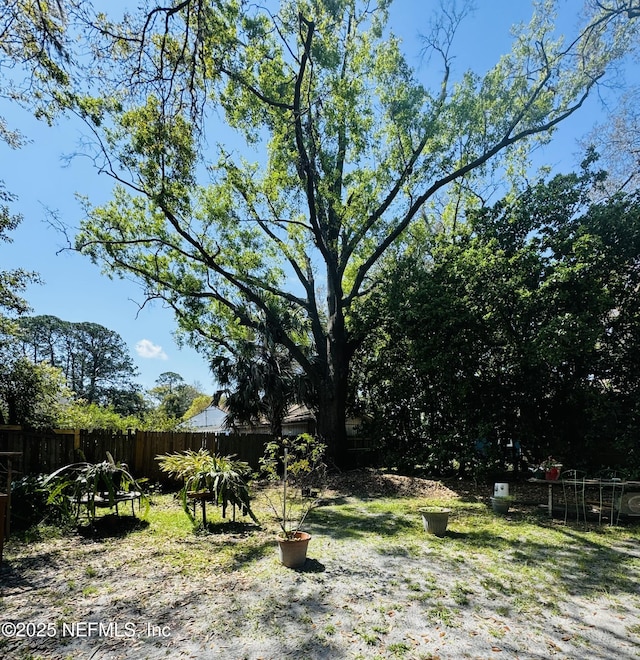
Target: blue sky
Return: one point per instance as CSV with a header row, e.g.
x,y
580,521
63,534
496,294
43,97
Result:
x,y
75,290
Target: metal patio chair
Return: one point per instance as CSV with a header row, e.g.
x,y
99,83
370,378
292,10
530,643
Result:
x,y
573,487
611,492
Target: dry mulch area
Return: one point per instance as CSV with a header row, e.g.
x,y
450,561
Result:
x,y
373,483
376,483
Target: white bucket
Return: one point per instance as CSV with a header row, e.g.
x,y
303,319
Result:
x,y
501,490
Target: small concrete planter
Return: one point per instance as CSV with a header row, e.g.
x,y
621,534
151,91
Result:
x,y
501,504
435,520
293,552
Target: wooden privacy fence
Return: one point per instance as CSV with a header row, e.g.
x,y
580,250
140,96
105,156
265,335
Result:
x,y
149,444
44,452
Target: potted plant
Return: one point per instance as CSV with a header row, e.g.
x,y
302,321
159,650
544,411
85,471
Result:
x,y
296,464
103,484
210,478
501,503
551,468
537,472
435,519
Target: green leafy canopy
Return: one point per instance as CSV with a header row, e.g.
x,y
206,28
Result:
x,y
351,147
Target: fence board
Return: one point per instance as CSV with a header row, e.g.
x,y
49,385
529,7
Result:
x,y
46,451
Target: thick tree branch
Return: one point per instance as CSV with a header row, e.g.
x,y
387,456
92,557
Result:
x,y
305,167
507,140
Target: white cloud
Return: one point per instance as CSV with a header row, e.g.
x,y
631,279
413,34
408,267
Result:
x,y
145,348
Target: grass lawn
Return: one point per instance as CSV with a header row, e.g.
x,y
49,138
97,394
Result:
x,y
375,586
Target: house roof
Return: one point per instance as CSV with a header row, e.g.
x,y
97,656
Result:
x,y
298,413
210,419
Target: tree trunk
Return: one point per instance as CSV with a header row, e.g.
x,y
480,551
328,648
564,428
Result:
x,y
275,425
331,420
12,408
332,395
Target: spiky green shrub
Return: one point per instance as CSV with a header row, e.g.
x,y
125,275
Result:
x,y
224,479
30,505
85,482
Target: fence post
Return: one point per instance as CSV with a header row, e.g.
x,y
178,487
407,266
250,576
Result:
x,y
139,439
3,520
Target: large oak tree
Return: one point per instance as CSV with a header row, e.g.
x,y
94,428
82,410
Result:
x,y
338,149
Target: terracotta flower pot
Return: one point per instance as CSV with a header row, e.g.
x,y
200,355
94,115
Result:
x,y
293,552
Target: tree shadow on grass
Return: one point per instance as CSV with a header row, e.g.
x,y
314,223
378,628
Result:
x,y
332,501
12,573
241,541
590,566
237,528
349,524
584,566
244,554
584,562
112,526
